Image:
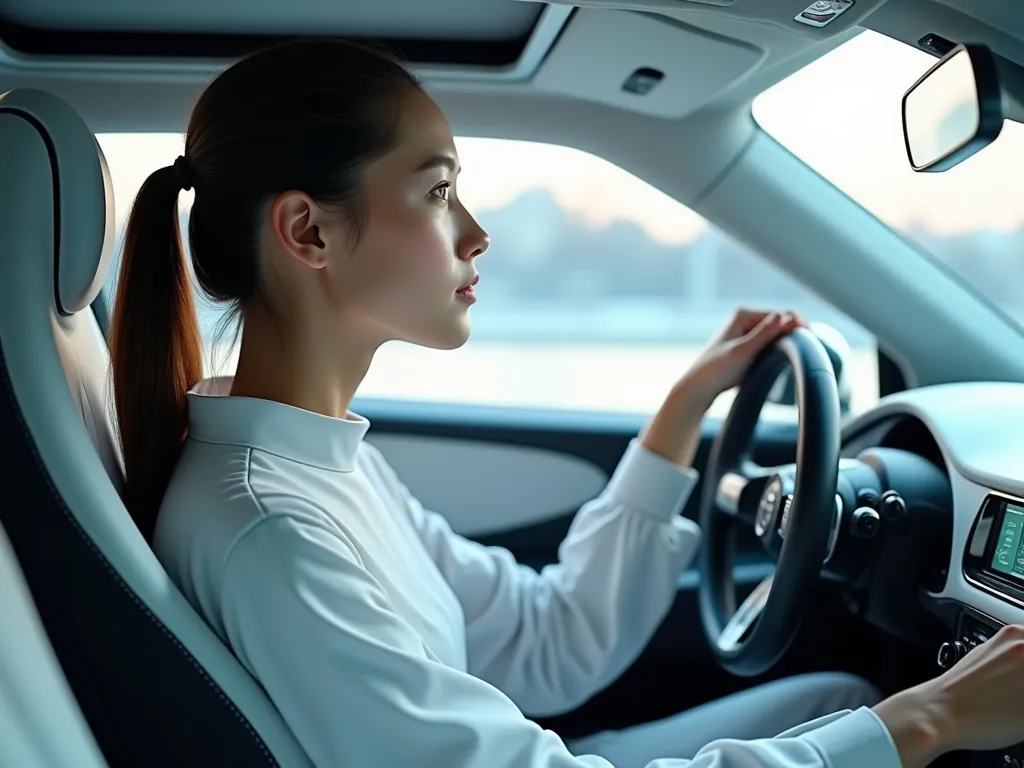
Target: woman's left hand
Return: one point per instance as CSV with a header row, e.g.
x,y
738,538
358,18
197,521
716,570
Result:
x,y
730,352
674,433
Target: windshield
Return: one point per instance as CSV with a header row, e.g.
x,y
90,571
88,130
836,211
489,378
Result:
x,y
841,116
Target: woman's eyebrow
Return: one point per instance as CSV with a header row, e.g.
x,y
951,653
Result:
x,y
442,160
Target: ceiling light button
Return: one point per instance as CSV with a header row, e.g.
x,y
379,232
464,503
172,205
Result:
x,y
643,80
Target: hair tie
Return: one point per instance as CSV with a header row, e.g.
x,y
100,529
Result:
x,y
183,172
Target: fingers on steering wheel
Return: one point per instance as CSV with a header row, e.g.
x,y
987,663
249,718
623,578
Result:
x,y
746,320
773,325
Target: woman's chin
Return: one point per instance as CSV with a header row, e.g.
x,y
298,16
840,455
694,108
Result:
x,y
459,338
451,337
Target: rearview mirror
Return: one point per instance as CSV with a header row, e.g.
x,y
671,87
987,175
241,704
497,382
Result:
x,y
954,110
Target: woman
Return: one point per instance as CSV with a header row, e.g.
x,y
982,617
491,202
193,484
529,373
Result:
x,y
326,214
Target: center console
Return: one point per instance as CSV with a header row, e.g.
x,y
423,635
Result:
x,y
994,560
973,629
993,563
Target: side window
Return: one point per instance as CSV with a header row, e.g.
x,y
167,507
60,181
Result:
x,y
597,293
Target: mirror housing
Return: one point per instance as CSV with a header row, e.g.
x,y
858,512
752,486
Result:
x,y
783,391
954,110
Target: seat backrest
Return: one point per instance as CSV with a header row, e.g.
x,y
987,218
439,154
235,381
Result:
x,y
40,722
155,684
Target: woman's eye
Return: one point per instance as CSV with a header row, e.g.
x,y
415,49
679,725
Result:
x,y
441,191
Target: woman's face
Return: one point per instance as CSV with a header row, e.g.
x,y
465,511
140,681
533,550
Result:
x,y
407,276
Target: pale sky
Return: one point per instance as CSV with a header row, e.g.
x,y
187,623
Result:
x,y
840,115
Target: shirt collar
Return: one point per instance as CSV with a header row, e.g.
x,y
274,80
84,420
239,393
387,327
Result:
x,y
215,416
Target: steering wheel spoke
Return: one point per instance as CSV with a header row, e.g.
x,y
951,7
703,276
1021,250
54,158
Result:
x,y
736,629
739,490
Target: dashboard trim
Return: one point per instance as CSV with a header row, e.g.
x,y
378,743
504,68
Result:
x,y
992,591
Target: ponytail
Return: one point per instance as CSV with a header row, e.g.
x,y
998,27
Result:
x,y
154,347
308,115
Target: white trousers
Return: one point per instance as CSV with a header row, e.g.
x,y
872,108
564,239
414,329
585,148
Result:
x,y
757,713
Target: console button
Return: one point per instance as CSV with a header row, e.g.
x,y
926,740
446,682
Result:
x,y
950,653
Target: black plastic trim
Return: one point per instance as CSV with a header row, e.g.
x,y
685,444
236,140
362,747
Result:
x,y
936,45
890,376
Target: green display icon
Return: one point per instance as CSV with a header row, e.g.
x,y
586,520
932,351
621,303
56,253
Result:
x,y
1008,557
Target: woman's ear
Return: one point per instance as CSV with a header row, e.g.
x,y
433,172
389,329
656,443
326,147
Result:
x,y
296,224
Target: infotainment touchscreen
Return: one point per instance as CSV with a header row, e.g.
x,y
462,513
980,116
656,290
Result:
x,y
1008,556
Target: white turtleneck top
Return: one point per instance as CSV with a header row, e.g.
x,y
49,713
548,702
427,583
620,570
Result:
x,y
385,639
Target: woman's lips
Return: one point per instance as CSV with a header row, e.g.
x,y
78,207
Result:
x,y
466,292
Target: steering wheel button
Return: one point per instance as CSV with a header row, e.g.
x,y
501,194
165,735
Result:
x,y
868,498
785,515
893,506
865,523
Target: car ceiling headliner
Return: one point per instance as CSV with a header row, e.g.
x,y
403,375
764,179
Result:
x,y
102,55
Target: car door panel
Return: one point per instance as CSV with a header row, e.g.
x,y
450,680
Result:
x,y
491,489
515,478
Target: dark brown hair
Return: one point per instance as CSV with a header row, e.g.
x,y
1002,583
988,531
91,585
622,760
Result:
x,y
306,115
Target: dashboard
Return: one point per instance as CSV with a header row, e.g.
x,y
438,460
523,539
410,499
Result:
x,y
957,576
974,432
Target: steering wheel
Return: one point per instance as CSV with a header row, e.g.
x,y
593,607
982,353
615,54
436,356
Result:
x,y
793,513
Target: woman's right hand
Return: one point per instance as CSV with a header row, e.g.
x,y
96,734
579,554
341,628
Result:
x,y
976,705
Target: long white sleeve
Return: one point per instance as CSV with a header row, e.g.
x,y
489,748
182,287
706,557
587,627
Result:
x,y
550,640
359,687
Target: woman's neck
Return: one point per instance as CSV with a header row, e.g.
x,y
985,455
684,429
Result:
x,y
305,370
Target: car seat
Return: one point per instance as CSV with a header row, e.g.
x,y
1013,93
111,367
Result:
x,y
156,685
41,725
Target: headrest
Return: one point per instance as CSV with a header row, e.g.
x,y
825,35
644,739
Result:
x,y
83,195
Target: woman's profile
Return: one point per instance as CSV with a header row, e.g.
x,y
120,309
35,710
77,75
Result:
x,y
327,217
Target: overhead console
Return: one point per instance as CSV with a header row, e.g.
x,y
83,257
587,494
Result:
x,y
818,19
994,558
651,67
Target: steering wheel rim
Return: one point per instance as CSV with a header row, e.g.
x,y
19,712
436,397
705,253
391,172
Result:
x,y
749,641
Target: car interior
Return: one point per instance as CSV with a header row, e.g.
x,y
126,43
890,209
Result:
x,y
867,520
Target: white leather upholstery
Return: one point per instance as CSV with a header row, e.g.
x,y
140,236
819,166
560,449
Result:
x,y
55,238
84,223
40,723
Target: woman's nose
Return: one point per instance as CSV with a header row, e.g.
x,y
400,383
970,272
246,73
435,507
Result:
x,y
475,240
